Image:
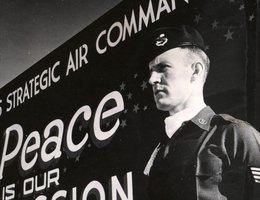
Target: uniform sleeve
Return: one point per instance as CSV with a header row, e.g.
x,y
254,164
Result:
x,y
232,146
242,144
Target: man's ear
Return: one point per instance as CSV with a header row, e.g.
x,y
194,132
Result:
x,y
197,71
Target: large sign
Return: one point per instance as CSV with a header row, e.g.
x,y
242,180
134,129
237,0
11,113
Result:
x,y
80,123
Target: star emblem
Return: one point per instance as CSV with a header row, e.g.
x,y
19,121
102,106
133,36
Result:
x,y
241,7
197,18
144,85
214,24
251,17
229,35
77,158
136,108
129,95
123,123
122,86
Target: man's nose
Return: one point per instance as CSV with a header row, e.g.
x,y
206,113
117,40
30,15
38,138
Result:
x,y
155,77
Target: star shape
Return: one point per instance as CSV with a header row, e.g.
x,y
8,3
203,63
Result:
x,y
214,24
135,75
123,123
136,108
129,95
229,35
207,47
251,17
197,18
144,85
122,86
241,7
77,158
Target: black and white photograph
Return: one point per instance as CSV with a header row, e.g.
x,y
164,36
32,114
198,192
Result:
x,y
129,100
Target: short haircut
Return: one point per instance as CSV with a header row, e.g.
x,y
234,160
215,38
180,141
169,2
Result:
x,y
199,53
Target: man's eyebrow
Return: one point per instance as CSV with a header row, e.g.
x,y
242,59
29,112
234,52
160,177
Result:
x,y
157,66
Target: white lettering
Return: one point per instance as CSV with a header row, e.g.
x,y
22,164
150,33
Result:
x,y
117,97
28,186
128,27
53,177
15,129
95,188
99,50
61,193
145,17
48,144
117,188
70,144
35,138
120,28
163,5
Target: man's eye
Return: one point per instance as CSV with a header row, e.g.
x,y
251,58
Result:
x,y
162,68
159,68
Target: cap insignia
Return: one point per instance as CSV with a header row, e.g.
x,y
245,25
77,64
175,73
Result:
x,y
161,40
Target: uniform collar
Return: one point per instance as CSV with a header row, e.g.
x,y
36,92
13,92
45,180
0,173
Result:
x,y
203,118
174,122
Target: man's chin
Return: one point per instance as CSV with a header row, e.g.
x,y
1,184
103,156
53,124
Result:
x,y
162,107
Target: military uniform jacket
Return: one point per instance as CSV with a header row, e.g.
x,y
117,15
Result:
x,y
206,159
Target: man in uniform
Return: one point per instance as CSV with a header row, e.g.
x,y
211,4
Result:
x,y
202,155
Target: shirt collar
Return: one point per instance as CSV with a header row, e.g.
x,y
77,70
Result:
x,y
174,122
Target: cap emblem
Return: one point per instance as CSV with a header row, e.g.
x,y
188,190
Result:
x,y
161,40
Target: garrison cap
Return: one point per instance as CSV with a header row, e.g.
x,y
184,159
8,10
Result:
x,y
166,38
